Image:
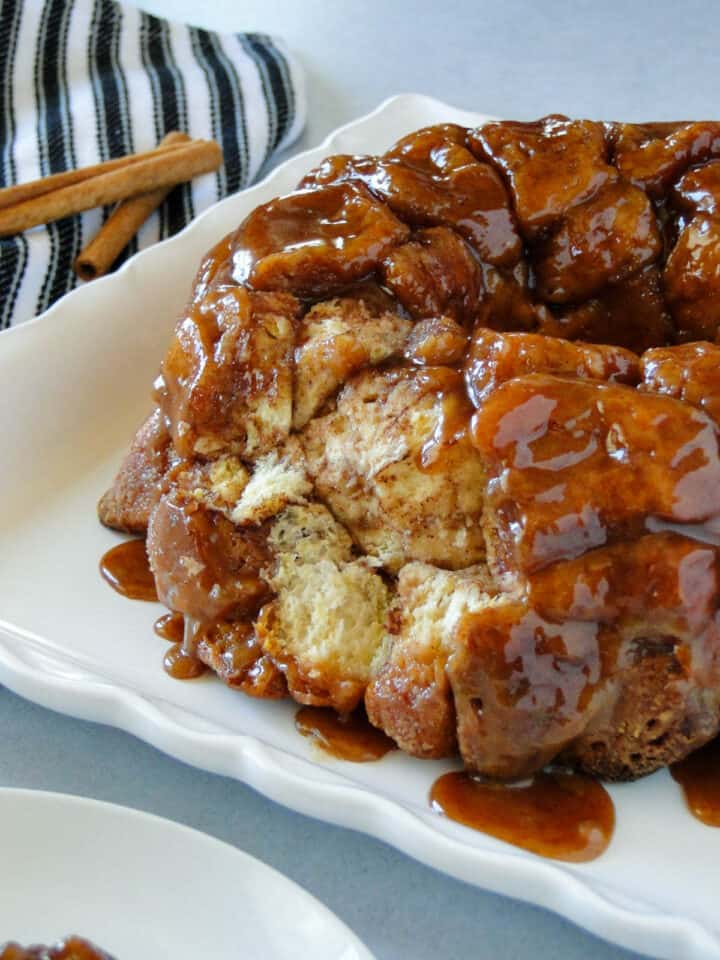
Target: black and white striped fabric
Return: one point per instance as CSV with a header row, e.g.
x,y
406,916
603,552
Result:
x,y
87,80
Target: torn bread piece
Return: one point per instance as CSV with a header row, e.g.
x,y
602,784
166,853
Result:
x,y
327,620
279,592
337,338
395,465
278,479
226,382
409,696
247,496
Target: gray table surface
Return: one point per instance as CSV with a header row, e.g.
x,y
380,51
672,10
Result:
x,y
617,60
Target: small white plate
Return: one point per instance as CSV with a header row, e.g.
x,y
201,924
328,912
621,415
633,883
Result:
x,y
74,385
144,888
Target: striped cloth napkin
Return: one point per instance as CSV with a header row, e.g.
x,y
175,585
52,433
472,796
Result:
x,y
87,80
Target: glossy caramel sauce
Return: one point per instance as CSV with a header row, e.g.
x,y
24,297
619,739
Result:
x,y
451,428
350,737
181,665
699,776
171,626
585,463
127,569
563,816
329,238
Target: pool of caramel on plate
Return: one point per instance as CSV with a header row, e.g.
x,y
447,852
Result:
x,y
351,737
127,569
564,816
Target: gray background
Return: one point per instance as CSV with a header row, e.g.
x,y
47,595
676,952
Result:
x,y
609,60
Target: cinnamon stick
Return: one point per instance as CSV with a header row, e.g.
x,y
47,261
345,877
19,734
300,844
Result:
x,y
11,196
122,225
159,168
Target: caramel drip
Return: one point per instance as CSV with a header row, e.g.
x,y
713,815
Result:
x,y
171,626
181,665
699,776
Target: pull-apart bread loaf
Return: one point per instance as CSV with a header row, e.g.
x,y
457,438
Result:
x,y
438,433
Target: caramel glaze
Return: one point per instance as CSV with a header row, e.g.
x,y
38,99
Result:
x,y
72,948
496,241
328,238
563,816
203,567
584,464
699,776
350,737
127,569
171,626
182,665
